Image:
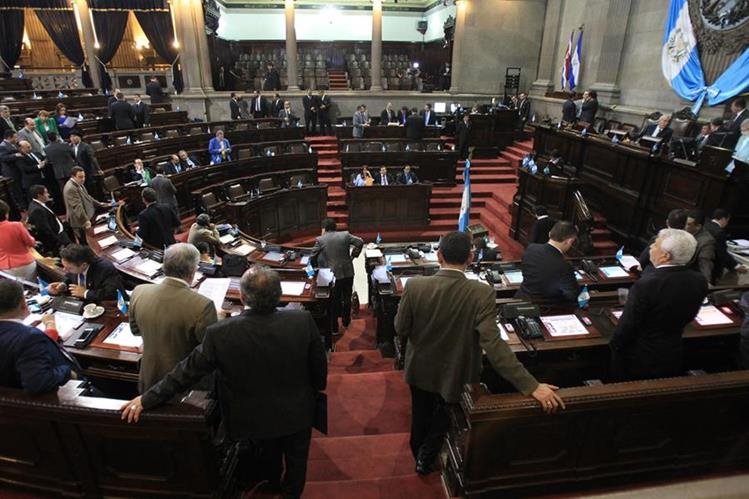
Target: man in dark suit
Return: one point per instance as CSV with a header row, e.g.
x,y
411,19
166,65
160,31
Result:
x,y
388,115
271,364
463,136
45,226
29,359
333,250
166,193
676,219
309,102
647,340
8,154
85,157
156,223
547,275
60,157
87,276
272,79
661,130
589,107
173,166
323,113
407,176
6,122
723,259
258,106
234,110
539,233
569,109
704,255
122,113
141,112
448,319
414,126
383,177
403,115
523,107
155,92
276,105
31,168
186,161
733,126
428,116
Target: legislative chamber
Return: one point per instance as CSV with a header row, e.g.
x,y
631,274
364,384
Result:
x,y
374,248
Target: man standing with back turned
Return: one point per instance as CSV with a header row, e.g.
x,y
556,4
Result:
x,y
448,319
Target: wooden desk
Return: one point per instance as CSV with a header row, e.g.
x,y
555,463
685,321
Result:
x,y
156,118
490,133
436,167
383,132
73,103
402,206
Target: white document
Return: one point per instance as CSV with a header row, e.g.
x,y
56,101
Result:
x,y
398,258
244,249
292,288
404,280
502,331
380,274
273,256
744,243
123,254
579,275
215,289
66,323
372,253
472,276
123,337
325,278
514,276
628,261
226,238
304,260
430,257
148,267
614,271
709,315
108,241
69,122
564,325
100,228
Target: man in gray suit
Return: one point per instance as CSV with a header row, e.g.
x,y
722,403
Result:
x,y
448,319
79,204
361,119
30,135
169,316
333,250
704,257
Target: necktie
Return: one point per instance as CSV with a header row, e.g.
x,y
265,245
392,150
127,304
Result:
x,y
656,132
82,280
34,157
257,105
426,118
75,151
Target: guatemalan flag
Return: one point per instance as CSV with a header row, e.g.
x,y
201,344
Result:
x,y
574,76
465,205
567,64
680,60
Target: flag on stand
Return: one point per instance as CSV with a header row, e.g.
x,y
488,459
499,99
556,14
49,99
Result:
x,y
465,205
567,64
575,63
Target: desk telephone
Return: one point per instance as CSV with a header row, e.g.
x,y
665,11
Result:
x,y
524,319
590,268
494,277
528,328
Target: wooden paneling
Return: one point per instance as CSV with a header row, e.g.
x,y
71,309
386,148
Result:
x,y
394,206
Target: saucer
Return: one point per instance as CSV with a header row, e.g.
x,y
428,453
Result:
x,y
96,313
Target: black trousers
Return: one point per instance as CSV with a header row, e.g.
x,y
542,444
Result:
x,y
340,303
289,454
325,126
430,421
310,123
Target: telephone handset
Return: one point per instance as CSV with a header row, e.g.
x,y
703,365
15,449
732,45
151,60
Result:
x,y
494,276
528,328
590,267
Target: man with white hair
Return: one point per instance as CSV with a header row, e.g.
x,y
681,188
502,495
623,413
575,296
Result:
x,y
660,130
170,316
647,340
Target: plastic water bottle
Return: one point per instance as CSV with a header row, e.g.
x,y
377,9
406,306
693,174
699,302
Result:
x,y
309,270
378,240
388,264
615,139
584,133
583,298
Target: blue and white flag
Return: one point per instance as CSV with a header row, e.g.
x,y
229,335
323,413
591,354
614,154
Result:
x,y
42,286
121,304
309,270
465,205
378,240
576,58
680,59
389,264
620,254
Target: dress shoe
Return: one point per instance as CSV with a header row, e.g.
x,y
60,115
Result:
x,y
425,466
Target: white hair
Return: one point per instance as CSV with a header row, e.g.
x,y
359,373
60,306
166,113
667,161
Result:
x,y
745,124
181,260
679,244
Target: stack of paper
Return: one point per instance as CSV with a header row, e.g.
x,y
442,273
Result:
x,y
709,315
273,256
226,238
564,325
215,289
614,272
123,337
292,288
244,249
372,253
123,254
66,323
514,276
628,261
107,241
148,267
399,258
100,228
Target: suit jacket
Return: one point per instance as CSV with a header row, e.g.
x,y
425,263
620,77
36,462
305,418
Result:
x,y
102,281
155,92
60,157
156,224
323,100
309,102
431,120
402,118
647,340
414,127
123,115
190,162
333,250
289,118
447,320
30,360
272,80
7,125
30,172
234,110
268,367
214,149
172,320
8,167
524,109
79,204
723,259
588,110
359,121
86,159
403,179
733,127
665,134
142,114
569,111
263,107
540,231
35,139
547,275
462,134
276,107
46,227
704,257
165,191
388,117
378,179
170,168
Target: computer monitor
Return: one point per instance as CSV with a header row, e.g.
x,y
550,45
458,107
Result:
x,y
440,107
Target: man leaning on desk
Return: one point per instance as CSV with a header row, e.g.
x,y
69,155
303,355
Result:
x,y
547,276
87,277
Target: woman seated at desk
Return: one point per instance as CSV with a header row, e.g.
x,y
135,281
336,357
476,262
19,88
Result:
x,y
219,149
363,178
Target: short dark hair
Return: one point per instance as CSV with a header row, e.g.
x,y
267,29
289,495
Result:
x,y
554,153
4,210
77,132
52,136
717,121
428,105
456,247
740,102
572,95
261,289
119,96
204,220
697,215
329,225
148,195
479,243
8,133
233,94
11,295
677,218
77,254
36,190
540,210
720,213
562,231
202,247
